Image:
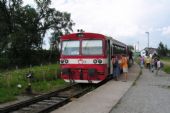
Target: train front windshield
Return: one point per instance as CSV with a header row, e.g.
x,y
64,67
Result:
x,y
70,47
92,47
89,47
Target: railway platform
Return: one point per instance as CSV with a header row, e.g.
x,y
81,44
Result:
x,y
102,99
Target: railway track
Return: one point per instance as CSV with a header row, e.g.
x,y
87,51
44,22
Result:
x,y
47,102
50,101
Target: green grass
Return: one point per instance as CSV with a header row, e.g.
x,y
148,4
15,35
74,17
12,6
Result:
x,y
8,94
166,67
165,59
42,87
45,79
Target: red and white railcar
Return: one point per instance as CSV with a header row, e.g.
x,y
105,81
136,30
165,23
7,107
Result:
x,y
86,57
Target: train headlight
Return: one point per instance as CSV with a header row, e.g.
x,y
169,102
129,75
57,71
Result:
x,y
94,61
61,61
66,61
99,61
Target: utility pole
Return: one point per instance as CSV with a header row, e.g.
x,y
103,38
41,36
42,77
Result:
x,y
138,45
148,38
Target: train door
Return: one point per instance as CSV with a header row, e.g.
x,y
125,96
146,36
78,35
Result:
x,y
109,56
111,66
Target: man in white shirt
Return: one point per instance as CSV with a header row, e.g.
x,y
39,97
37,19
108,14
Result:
x,y
158,66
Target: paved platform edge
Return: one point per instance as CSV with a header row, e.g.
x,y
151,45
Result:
x,y
139,72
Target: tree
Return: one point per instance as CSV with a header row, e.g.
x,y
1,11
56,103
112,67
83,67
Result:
x,y
162,49
59,23
23,28
5,25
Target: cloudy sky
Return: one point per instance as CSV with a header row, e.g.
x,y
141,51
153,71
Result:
x,y
125,20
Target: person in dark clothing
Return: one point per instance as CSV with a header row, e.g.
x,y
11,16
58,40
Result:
x,y
131,56
155,62
116,67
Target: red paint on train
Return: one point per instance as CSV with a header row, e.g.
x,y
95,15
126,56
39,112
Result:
x,y
86,57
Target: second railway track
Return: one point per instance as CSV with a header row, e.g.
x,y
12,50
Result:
x,y
50,101
47,102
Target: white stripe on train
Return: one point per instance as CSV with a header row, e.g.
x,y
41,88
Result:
x,y
83,61
83,81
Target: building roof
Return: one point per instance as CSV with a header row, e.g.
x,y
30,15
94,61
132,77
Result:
x,y
151,50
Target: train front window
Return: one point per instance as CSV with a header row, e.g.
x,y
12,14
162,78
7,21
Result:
x,y
70,47
92,47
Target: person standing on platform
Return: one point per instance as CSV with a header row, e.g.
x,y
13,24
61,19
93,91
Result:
x,y
125,67
142,61
148,62
116,67
158,66
152,65
131,57
155,62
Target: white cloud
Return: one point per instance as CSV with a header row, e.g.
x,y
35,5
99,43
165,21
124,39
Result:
x,y
126,19
108,17
165,31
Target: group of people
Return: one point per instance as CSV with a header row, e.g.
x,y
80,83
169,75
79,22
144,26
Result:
x,y
120,63
152,63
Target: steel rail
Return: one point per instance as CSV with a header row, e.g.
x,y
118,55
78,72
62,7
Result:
x,y
36,99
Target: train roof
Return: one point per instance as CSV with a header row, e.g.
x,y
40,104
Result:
x,y
118,43
85,33
114,41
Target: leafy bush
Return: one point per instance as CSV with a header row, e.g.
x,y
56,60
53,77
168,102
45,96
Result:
x,y
4,62
32,57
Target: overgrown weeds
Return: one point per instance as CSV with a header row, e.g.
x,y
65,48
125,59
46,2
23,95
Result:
x,y
44,79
